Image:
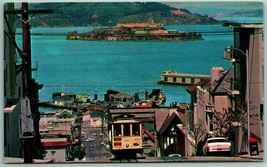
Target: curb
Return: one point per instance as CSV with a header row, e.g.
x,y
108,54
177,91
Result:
x,y
259,157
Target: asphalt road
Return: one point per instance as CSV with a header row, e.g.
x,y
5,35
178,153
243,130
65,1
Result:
x,y
94,149
96,152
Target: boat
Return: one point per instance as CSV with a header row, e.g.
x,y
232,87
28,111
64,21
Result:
x,y
156,98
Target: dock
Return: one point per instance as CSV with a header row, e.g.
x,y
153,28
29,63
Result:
x,y
174,78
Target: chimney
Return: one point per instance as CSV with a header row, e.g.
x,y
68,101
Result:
x,y
216,74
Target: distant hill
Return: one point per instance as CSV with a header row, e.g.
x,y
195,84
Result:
x,y
111,13
252,13
216,7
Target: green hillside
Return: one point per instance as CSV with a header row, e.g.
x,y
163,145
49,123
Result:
x,y
103,13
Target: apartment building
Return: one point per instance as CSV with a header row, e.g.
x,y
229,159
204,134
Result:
x,y
237,92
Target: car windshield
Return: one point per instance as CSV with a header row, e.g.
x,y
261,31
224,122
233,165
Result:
x,y
217,140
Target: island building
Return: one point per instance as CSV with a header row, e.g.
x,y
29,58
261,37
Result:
x,y
150,31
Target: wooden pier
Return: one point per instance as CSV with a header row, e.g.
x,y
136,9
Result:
x,y
174,78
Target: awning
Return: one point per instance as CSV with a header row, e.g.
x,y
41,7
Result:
x,y
56,144
10,109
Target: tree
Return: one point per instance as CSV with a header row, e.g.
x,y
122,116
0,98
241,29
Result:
x,y
39,152
78,152
227,120
198,134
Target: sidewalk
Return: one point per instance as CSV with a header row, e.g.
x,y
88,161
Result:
x,y
248,156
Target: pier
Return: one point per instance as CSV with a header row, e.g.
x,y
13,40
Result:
x,y
174,78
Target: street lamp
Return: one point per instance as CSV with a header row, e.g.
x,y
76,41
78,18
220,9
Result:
x,y
228,54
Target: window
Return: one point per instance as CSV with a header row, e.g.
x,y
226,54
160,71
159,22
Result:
x,y
192,80
5,80
117,130
136,129
183,80
166,79
19,90
126,129
174,79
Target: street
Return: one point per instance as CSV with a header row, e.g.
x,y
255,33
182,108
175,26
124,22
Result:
x,y
95,149
97,152
170,160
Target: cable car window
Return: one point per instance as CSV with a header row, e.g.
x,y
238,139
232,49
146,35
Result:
x,y
126,129
117,130
136,130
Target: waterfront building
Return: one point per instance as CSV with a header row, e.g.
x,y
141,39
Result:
x,y
118,99
174,78
61,98
12,89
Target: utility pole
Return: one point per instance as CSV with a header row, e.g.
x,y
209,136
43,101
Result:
x,y
30,87
26,39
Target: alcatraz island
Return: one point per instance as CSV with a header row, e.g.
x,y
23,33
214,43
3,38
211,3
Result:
x,y
149,31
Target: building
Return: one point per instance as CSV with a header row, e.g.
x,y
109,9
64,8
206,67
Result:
x,y
246,87
220,105
62,98
171,138
59,131
12,89
57,149
118,99
174,78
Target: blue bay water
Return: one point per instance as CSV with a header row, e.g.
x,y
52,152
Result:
x,y
93,67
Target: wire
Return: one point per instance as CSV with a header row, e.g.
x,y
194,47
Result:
x,y
13,40
89,86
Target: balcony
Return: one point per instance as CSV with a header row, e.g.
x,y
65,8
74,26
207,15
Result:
x,y
232,92
230,85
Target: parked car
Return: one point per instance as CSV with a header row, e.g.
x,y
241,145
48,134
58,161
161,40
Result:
x,y
175,156
107,146
82,134
90,139
217,145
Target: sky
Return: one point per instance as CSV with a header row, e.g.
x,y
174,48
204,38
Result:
x,y
194,6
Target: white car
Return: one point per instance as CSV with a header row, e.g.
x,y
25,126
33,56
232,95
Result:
x,y
217,145
107,147
90,139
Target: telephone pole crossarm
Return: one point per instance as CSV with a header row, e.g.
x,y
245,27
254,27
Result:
x,y
43,11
